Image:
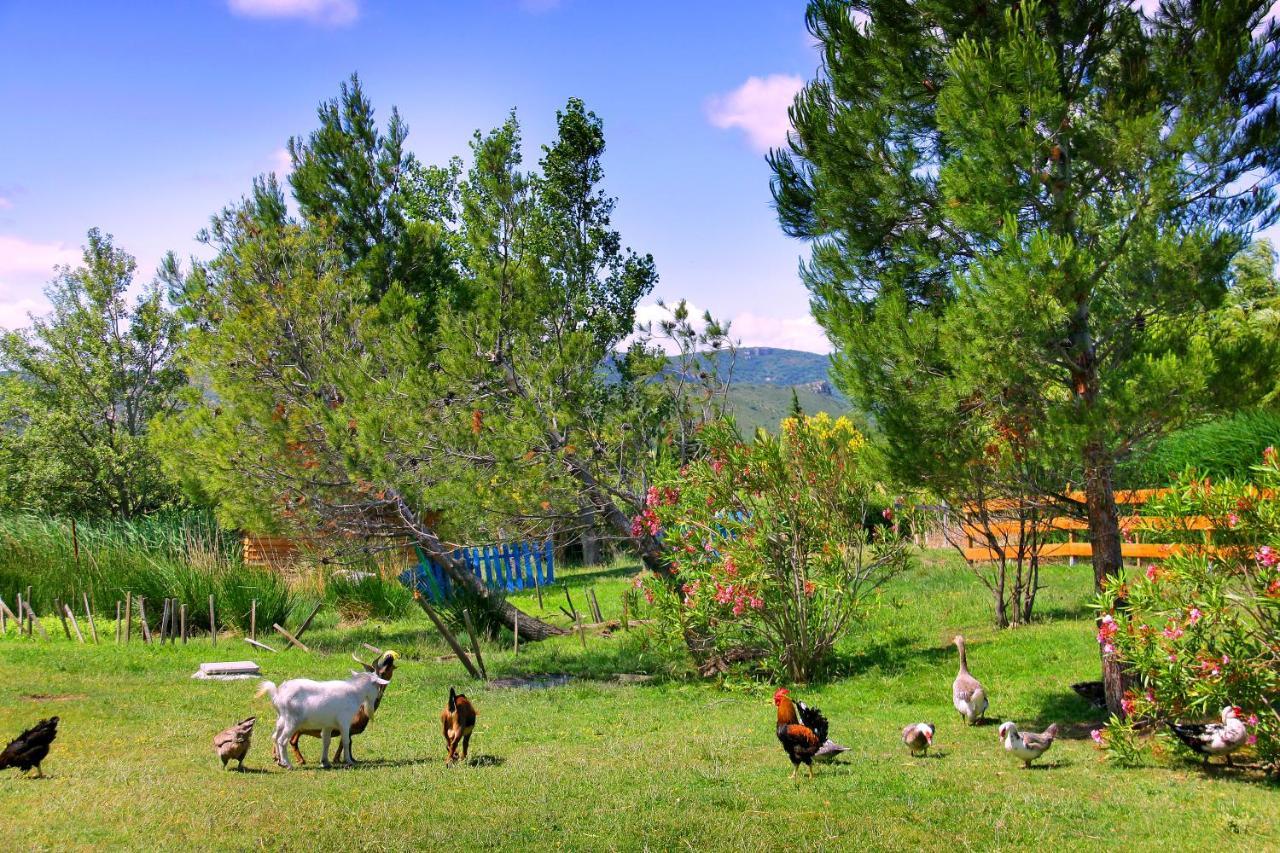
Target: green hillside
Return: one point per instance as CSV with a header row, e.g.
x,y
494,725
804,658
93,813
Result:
x,y
761,405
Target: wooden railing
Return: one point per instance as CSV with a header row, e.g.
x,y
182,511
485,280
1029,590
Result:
x,y
1014,532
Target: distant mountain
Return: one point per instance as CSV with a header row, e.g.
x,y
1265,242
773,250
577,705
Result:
x,y
771,366
760,404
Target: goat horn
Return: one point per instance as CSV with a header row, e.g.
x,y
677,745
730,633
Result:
x,y
357,660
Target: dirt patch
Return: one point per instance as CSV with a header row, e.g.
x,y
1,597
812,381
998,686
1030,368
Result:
x,y
49,697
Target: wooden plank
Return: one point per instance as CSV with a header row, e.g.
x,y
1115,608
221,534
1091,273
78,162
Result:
x,y
447,634
258,645
292,639
62,617
1152,551
1127,523
475,643
74,624
31,616
306,623
142,619
88,614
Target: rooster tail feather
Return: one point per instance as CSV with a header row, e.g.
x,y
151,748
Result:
x,y
453,700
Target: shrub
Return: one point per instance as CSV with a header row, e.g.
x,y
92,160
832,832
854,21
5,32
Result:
x,y
368,595
1225,447
1202,630
771,542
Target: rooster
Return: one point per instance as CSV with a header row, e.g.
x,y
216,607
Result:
x,y
801,730
29,749
233,744
457,721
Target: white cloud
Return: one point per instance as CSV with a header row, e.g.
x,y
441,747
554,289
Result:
x,y
281,163
749,329
25,268
758,107
333,13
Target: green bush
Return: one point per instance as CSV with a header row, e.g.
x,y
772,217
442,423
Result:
x,y
369,597
1226,447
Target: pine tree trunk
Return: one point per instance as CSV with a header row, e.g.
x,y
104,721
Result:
x,y
1104,541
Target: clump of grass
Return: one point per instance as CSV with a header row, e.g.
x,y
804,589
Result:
x,y
361,595
186,556
1226,447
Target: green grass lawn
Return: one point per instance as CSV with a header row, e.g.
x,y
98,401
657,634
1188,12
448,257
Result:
x,y
594,764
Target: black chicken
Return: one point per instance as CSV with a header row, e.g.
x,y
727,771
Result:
x,y
28,749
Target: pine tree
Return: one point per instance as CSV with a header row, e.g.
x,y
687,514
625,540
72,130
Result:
x,y
797,411
1016,216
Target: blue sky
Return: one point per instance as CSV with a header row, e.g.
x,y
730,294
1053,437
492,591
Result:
x,y
145,118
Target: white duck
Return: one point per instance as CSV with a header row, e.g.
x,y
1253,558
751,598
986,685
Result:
x,y
918,737
1214,738
967,693
1027,746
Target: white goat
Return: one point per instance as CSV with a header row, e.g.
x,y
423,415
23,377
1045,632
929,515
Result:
x,y
324,705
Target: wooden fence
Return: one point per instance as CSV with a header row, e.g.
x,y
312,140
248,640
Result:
x,y
510,567
1014,533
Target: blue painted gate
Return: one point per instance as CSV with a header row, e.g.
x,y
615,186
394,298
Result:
x,y
510,567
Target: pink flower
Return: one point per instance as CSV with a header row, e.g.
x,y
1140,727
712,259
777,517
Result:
x,y
1225,660
1252,721
724,594
1151,696
1152,572
1172,632
1251,740
717,465
809,587
756,602
1273,589
1269,456
1173,657
648,595
1127,705
1232,519
1096,734
887,512
730,567
651,497
1267,556
1108,649
1194,616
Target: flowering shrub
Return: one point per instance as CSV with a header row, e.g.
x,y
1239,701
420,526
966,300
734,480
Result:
x,y
771,543
1202,629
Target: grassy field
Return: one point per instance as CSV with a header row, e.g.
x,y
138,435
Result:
x,y
595,764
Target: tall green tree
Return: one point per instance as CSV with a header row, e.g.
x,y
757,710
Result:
x,y
1016,214
81,389
322,411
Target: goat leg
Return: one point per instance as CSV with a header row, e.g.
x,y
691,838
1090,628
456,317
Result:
x,y
324,748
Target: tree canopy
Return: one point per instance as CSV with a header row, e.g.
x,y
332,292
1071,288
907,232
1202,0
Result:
x,y
80,389
1018,215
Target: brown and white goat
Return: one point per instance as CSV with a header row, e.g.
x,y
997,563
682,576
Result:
x,y
384,666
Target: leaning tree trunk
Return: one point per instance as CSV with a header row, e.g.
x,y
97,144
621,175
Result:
x,y
1108,559
529,627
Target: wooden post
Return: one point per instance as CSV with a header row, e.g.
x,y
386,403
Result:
x,y
306,623
582,632
447,634
4,623
88,614
573,610
31,616
253,620
516,652
213,624
117,621
142,619
74,623
62,617
182,612
22,617
128,618
537,584
475,643
289,637
258,645
595,605
164,621
626,612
